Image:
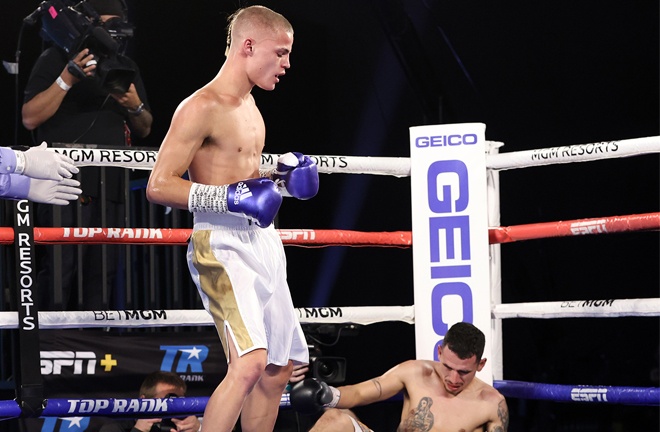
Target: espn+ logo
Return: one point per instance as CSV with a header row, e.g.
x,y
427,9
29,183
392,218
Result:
x,y
82,362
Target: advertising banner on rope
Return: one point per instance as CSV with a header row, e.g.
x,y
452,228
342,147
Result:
x,y
93,364
450,233
96,364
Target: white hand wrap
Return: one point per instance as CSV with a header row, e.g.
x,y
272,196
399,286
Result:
x,y
336,394
20,162
207,199
266,173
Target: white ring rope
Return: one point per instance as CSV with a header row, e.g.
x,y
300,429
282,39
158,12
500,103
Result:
x,y
606,308
393,166
574,153
176,318
365,315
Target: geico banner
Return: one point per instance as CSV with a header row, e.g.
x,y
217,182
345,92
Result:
x,y
450,233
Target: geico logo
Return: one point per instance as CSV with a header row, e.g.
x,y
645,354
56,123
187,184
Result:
x,y
82,362
445,140
188,358
305,234
449,243
591,227
589,395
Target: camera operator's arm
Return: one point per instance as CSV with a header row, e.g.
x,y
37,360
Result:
x,y
45,104
144,425
140,118
298,373
188,424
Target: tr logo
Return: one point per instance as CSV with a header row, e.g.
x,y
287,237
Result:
x,y
188,358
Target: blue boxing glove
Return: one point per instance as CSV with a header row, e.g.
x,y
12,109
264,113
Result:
x,y
257,198
296,175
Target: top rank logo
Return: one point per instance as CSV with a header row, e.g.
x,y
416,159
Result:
x,y
184,358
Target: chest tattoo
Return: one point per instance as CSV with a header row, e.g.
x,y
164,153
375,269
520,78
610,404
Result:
x,y
419,419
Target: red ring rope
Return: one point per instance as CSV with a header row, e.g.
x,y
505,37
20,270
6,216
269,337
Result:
x,y
321,238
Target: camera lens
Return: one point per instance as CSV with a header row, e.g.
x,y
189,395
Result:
x,y
325,370
329,369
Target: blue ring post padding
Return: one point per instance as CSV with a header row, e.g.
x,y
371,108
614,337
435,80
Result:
x,y
580,393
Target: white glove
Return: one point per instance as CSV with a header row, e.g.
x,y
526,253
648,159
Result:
x,y
54,192
39,163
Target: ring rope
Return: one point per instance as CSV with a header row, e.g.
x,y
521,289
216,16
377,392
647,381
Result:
x,y
580,393
393,166
362,315
605,308
567,154
145,408
325,238
604,225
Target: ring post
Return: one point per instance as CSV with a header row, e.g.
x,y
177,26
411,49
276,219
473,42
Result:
x,y
29,383
450,234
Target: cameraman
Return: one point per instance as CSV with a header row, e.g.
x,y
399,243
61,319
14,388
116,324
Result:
x,y
158,384
66,102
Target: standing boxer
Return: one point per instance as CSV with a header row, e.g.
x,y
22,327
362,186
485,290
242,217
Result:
x,y
235,256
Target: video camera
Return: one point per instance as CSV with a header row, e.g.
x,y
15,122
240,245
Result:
x,y
165,425
331,370
74,27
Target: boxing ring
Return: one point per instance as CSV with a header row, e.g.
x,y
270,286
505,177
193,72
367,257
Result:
x,y
398,167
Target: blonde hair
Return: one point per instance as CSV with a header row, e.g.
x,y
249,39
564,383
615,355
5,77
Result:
x,y
254,18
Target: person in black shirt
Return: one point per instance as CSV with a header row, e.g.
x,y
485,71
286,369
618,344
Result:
x,y
63,106
159,384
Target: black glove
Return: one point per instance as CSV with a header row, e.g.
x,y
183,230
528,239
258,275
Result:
x,y
311,395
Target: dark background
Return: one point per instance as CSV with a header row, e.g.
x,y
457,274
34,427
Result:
x,y
538,74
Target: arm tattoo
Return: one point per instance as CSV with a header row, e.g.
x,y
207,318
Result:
x,y
378,387
503,414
